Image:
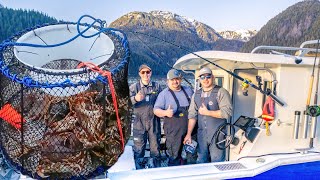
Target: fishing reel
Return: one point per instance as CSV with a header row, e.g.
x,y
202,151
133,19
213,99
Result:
x,y
313,111
246,82
245,86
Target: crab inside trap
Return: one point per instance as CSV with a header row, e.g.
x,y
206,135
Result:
x,y
57,120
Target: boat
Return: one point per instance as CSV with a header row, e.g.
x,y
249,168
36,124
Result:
x,y
293,145
292,141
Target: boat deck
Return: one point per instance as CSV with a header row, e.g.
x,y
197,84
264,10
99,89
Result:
x,y
246,167
251,162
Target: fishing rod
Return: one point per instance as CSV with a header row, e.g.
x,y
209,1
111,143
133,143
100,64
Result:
x,y
311,81
314,111
245,81
160,57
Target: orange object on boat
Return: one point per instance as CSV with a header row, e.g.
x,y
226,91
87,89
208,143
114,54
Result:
x,y
9,114
268,113
268,110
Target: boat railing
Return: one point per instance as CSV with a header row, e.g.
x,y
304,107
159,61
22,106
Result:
x,y
302,50
301,53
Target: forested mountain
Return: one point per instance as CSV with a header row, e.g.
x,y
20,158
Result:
x,y
296,24
182,31
185,32
13,21
291,27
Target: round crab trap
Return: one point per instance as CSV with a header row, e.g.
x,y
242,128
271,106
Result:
x,y
61,118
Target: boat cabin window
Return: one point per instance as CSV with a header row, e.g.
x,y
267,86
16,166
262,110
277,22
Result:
x,y
219,81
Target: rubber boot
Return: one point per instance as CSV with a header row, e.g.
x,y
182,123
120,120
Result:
x,y
140,163
150,163
157,162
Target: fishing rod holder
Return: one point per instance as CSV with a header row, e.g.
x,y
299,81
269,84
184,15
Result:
x,y
305,125
259,80
296,124
246,83
259,87
313,130
267,91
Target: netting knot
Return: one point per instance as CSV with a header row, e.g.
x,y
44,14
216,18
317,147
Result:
x,y
27,81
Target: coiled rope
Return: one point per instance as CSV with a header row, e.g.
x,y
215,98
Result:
x,y
29,82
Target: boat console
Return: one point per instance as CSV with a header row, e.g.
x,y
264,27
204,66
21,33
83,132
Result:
x,y
246,124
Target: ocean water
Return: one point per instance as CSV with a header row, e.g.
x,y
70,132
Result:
x,y
162,80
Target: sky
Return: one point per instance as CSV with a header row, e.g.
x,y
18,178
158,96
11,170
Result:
x,y
218,14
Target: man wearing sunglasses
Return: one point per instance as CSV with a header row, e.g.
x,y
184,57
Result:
x,y
210,107
146,125
172,104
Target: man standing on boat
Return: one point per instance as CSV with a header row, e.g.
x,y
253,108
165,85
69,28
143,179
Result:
x,y
146,125
210,107
172,104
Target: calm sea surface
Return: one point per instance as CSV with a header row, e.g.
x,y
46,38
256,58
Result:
x,y
162,80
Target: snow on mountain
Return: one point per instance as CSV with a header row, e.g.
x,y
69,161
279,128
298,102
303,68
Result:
x,y
167,21
244,35
169,16
204,31
171,21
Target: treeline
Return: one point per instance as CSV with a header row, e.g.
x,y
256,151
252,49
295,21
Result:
x,y
158,54
12,21
298,23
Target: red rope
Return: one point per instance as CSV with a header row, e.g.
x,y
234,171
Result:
x,y
107,74
9,114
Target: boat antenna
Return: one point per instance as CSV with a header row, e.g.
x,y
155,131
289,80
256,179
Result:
x,y
160,57
267,92
314,110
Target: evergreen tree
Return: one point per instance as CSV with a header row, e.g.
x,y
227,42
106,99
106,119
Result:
x,y
12,21
296,24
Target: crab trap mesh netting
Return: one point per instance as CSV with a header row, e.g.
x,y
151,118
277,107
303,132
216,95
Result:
x,y
58,120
